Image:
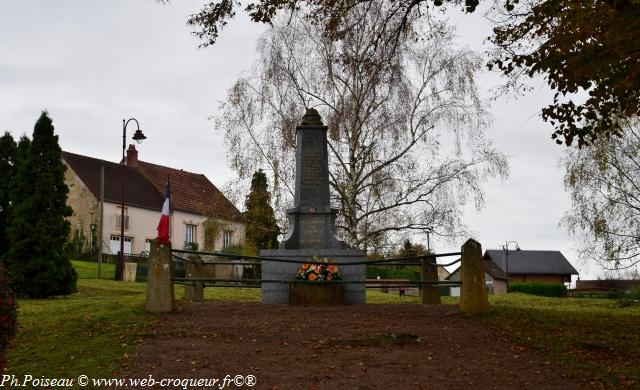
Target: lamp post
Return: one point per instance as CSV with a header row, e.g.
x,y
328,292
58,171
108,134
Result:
x,y
505,248
138,137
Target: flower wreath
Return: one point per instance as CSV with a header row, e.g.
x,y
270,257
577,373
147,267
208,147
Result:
x,y
318,272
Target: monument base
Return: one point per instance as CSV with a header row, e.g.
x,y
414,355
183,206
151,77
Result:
x,y
278,293
316,294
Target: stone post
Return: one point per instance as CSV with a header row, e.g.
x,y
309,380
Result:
x,y
194,291
130,270
160,297
473,293
430,293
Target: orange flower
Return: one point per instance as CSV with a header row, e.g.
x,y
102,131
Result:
x,y
329,277
332,268
305,266
312,276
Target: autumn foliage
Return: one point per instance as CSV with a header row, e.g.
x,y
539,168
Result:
x,y
587,51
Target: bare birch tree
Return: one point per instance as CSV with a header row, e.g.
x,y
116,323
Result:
x,y
407,142
604,183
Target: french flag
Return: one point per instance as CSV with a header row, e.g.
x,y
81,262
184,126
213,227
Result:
x,y
163,226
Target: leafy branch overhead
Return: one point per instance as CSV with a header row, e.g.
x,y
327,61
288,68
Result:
x,y
587,51
214,16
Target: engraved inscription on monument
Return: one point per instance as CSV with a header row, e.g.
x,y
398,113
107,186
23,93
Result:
x,y
312,231
310,175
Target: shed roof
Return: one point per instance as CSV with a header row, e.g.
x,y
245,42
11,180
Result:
x,y
533,262
489,267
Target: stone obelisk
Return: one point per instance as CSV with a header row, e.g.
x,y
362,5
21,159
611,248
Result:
x,y
311,221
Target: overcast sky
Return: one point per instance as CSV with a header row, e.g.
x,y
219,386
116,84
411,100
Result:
x,y
93,63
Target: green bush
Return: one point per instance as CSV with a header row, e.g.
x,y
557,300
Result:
x,y
410,272
241,250
8,315
634,294
539,288
614,294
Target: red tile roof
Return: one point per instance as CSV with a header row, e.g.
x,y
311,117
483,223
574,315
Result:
x,y
139,192
190,192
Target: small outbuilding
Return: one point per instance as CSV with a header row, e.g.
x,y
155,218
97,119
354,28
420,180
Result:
x,y
495,279
532,265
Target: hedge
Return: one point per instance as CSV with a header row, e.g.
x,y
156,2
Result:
x,y
539,288
410,272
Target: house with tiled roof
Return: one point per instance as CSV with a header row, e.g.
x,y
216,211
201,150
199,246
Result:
x,y
197,206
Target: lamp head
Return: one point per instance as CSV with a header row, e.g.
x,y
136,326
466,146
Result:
x,y
138,136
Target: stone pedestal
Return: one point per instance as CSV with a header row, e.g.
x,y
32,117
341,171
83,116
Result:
x,y
279,292
316,294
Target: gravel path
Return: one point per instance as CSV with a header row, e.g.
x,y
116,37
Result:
x,y
346,347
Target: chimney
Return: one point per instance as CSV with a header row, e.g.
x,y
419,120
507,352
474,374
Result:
x,y
132,156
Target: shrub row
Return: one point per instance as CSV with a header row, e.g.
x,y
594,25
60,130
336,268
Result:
x,y
410,272
634,294
539,288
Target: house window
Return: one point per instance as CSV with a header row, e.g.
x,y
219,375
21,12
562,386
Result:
x,y
118,216
147,245
227,238
190,234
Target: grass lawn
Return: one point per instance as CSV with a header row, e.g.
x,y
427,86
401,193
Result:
x,y
90,332
598,336
94,331
89,270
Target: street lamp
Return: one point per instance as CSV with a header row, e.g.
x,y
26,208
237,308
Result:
x,y
505,248
138,137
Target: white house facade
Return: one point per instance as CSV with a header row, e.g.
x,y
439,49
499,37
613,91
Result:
x,y
197,205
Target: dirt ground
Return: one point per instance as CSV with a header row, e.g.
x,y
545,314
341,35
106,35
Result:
x,y
348,347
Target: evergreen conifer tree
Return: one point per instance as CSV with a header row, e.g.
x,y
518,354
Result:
x,y
410,249
37,261
260,221
22,150
7,167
